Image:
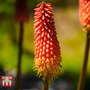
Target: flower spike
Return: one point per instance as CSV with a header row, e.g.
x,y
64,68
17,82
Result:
x,y
47,50
22,12
84,13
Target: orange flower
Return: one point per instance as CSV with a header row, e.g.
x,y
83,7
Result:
x,y
22,13
47,50
84,13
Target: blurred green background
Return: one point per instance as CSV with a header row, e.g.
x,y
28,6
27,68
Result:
x,y
69,32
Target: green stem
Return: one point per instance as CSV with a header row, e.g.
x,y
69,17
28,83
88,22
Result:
x,y
84,67
18,79
46,84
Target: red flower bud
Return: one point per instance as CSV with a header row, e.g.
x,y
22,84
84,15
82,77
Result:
x,y
22,12
84,13
47,50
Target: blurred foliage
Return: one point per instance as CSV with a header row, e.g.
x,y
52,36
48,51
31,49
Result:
x,y
70,35
7,7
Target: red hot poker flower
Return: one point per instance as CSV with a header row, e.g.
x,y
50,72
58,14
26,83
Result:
x,y
84,13
22,12
47,50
